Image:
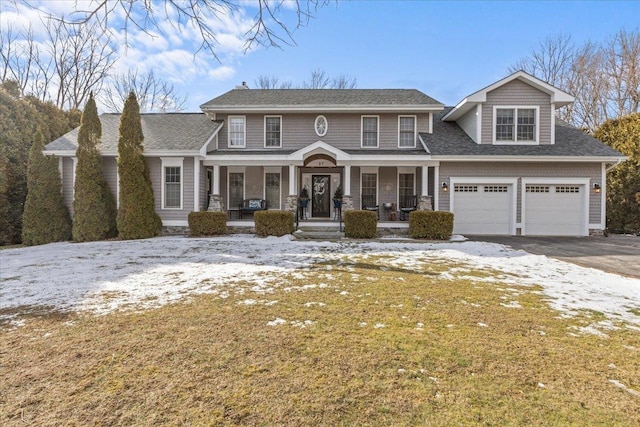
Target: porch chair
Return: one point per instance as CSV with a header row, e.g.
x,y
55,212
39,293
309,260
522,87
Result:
x,y
408,204
369,204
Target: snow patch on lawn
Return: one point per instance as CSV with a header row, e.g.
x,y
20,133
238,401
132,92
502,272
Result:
x,y
102,277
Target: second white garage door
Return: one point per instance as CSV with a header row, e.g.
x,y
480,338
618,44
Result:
x,y
554,210
482,208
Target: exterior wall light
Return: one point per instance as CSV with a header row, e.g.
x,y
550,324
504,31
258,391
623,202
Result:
x,y
445,187
596,188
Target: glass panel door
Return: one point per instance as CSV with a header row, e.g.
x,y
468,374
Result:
x,y
321,198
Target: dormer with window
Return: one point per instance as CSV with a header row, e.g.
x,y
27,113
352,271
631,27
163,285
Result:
x,y
517,110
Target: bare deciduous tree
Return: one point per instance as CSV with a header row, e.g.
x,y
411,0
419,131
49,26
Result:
x,y
271,82
273,24
81,61
319,79
604,77
153,93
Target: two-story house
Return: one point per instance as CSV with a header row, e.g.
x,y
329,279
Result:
x,y
499,160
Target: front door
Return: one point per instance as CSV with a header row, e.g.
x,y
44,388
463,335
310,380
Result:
x,y
321,197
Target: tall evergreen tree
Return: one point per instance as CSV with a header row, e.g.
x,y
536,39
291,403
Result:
x,y
46,218
93,204
137,218
623,182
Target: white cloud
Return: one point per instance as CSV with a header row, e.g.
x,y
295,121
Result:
x,y
224,72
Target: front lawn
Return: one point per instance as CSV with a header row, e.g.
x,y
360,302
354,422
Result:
x,y
347,334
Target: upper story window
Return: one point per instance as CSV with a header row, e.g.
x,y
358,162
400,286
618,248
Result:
x,y
406,131
237,130
516,124
369,131
272,131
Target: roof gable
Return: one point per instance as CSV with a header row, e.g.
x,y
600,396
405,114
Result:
x,y
558,97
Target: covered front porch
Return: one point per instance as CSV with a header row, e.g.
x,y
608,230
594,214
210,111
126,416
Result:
x,y
320,181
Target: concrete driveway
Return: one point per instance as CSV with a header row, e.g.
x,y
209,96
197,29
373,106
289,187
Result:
x,y
615,254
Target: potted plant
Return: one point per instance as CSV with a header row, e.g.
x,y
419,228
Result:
x,y
337,197
304,197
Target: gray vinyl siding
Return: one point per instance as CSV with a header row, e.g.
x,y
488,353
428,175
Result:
x,y
110,172
155,168
202,196
592,171
468,123
517,93
343,130
67,183
254,182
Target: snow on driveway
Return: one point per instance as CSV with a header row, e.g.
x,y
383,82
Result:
x,y
101,277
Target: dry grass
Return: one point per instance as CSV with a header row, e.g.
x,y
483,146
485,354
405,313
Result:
x,y
382,346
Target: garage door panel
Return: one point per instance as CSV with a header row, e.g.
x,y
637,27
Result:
x,y
554,210
482,209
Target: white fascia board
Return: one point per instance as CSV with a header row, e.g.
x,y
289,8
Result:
x,y
203,149
524,159
171,153
323,108
424,145
60,153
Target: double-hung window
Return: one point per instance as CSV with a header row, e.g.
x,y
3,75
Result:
x,y
172,182
272,189
273,131
369,131
237,130
370,187
516,124
236,189
406,131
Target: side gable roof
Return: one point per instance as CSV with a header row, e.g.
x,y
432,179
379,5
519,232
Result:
x,y
559,97
286,100
449,140
179,132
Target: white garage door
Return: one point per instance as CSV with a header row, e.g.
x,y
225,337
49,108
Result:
x,y
482,208
554,210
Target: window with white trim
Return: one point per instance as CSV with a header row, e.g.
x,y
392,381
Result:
x,y
516,124
369,131
273,131
369,187
237,130
272,189
406,131
172,182
236,189
406,186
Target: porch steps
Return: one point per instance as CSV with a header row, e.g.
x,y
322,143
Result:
x,y
318,233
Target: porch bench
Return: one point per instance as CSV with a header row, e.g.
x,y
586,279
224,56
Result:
x,y
249,206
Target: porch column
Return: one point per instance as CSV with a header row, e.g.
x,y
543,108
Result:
x,y
424,200
347,180
292,197
216,179
292,179
347,198
215,199
196,184
436,188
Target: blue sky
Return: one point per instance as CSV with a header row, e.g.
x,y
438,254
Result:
x,y
445,49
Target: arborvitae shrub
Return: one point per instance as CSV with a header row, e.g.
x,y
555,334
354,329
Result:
x,y
137,218
273,223
46,219
360,224
207,223
93,203
436,225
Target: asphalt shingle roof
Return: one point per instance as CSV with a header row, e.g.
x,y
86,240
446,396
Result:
x,y
168,131
448,139
320,97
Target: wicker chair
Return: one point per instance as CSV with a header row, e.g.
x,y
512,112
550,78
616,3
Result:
x,y
408,204
369,204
